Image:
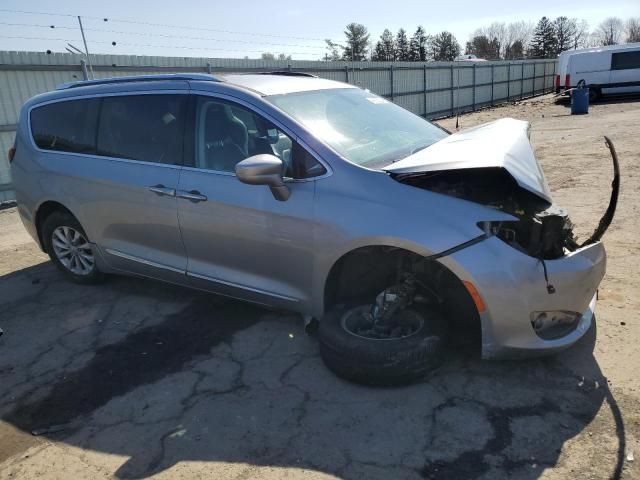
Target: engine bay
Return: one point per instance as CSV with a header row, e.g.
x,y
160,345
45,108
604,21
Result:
x,y
542,231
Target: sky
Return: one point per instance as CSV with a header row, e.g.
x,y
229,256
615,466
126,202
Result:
x,y
246,28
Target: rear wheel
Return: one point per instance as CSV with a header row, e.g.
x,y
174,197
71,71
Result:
x,y
69,248
401,351
594,94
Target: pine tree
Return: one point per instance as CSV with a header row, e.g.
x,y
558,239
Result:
x,y
402,46
544,43
357,44
378,52
385,49
514,51
445,47
418,45
482,47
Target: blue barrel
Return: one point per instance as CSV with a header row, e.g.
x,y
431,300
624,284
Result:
x,y
579,101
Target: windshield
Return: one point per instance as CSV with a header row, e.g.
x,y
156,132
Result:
x,y
362,127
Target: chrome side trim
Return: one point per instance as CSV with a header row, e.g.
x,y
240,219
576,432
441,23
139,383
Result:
x,y
243,287
142,260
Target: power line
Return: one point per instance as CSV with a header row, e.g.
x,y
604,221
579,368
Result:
x,y
164,25
184,47
183,37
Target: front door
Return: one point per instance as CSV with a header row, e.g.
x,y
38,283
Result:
x,y
240,240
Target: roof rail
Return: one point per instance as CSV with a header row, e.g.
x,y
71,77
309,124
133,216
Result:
x,y
288,73
139,78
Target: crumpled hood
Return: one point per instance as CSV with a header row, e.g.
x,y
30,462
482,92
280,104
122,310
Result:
x,y
503,143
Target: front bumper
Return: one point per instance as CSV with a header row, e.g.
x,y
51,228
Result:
x,y
512,286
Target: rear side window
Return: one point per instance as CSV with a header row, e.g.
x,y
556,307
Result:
x,y
142,127
68,126
625,60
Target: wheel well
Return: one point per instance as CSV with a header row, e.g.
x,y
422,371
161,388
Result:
x,y
358,276
46,209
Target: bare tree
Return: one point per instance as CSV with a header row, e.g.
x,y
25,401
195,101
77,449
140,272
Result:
x,y
496,33
581,38
566,29
271,56
632,29
519,34
610,31
505,36
333,51
520,31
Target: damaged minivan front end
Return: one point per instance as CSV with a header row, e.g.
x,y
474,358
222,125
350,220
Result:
x,y
529,269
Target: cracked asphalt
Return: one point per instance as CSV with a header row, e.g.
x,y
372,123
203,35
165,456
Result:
x,y
135,378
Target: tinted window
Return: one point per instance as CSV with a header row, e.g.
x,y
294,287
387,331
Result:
x,y
227,134
142,127
67,126
625,60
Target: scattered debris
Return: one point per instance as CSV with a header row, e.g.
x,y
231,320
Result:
x,y
581,382
630,457
623,323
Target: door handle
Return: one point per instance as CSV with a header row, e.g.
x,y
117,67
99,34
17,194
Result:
x,y
162,190
193,196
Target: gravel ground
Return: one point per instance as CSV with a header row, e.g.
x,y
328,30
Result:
x,y
134,378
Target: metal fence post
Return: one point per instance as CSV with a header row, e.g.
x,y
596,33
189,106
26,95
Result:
x,y
208,68
522,82
544,77
391,79
424,90
492,79
346,73
533,85
473,96
83,66
452,106
508,82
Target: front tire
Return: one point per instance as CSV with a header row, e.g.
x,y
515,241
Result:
x,y
69,248
594,94
382,362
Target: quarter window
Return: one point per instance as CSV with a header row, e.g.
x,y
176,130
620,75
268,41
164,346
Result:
x,y
66,126
625,60
142,127
226,134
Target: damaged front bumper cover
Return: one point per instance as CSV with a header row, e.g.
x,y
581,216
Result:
x,y
515,287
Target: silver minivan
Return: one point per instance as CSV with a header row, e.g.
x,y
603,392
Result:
x,y
313,196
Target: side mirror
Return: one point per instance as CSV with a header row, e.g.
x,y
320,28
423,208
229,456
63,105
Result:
x,y
264,169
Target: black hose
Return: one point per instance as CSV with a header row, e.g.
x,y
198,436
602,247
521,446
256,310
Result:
x,y
607,218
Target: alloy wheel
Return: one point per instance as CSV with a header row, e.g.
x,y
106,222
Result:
x,y
73,250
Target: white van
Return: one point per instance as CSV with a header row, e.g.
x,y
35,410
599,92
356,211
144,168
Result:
x,y
605,70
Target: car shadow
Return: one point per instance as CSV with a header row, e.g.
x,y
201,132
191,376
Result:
x,y
162,375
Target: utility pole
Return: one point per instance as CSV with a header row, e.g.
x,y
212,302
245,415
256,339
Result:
x,y
86,49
